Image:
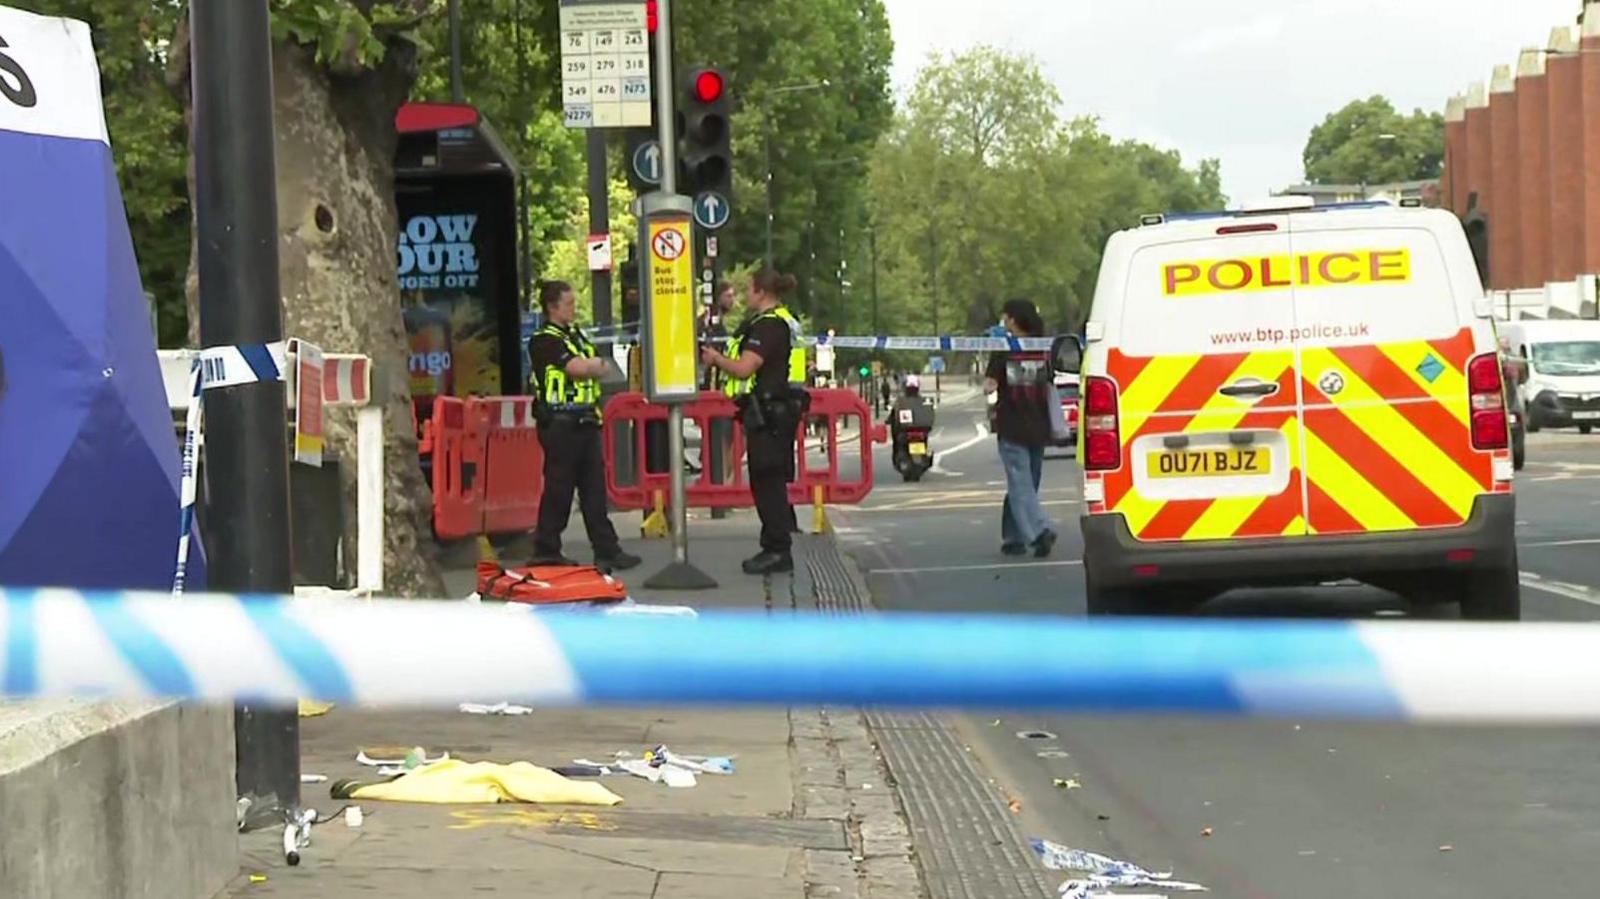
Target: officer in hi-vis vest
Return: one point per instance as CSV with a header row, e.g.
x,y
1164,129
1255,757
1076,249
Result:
x,y
766,368
566,382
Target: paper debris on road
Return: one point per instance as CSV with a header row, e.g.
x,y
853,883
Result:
x,y
499,708
313,778
1068,783
1104,872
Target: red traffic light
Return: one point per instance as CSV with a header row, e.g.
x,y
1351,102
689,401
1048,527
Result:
x,y
708,86
650,15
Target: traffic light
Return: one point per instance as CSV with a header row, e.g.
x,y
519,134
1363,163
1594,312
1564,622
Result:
x,y
705,137
864,370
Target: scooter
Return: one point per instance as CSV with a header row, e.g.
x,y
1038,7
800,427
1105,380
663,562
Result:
x,y
911,454
910,423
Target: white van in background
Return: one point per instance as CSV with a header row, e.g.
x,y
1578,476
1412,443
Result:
x,y
1563,385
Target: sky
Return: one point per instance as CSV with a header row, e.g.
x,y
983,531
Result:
x,y
1243,81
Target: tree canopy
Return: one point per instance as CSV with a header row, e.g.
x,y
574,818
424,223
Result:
x,y
980,192
1368,142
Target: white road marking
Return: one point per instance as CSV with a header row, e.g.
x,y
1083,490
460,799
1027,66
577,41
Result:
x,y
1557,588
1549,543
1058,563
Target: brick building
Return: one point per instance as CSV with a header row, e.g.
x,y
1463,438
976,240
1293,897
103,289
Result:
x,y
1528,145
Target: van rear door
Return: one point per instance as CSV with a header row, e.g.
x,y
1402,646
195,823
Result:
x,y
1209,388
1383,349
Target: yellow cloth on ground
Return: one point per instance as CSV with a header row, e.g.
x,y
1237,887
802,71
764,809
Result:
x,y
311,708
453,780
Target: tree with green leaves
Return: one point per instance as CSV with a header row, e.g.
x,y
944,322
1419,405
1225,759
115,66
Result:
x,y
1368,142
979,193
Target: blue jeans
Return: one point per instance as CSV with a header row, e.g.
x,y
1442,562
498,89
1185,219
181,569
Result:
x,y
1022,517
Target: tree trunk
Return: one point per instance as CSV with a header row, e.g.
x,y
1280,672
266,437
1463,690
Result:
x,y
335,144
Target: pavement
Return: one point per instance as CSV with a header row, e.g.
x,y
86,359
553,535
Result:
x,y
1249,809
808,811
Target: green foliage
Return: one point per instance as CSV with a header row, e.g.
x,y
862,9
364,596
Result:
x,y
981,193
1368,142
348,37
821,139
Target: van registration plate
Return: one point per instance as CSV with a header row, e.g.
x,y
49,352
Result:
x,y
1209,463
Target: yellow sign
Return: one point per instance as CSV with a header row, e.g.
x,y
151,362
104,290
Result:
x,y
670,369
1252,273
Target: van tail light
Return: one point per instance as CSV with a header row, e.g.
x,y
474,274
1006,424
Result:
x,y
1102,437
1490,428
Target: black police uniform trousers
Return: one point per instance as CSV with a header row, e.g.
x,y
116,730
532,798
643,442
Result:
x,y
770,454
574,460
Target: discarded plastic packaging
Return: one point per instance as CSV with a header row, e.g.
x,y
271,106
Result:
x,y
416,756
499,708
353,816
667,774
313,778
704,764
1104,872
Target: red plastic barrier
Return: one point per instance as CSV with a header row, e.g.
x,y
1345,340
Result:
x,y
514,463
459,446
828,406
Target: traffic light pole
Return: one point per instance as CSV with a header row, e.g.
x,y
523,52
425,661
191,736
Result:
x,y
680,574
247,461
599,223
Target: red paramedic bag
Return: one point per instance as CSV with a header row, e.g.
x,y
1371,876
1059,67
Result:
x,y
541,584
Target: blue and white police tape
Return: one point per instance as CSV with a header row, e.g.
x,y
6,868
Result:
x,y
398,653
214,368
941,344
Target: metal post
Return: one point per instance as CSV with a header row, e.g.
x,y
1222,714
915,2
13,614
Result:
x,y
457,92
766,141
599,222
247,462
679,575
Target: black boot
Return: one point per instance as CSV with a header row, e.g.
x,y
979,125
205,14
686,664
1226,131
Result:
x,y
620,560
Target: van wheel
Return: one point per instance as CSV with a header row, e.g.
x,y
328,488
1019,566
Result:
x,y
1584,429
1492,595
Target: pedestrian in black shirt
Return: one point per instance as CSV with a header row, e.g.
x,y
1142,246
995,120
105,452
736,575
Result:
x,y
1019,382
766,369
566,374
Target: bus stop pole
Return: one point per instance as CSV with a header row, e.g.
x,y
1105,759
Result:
x,y
246,448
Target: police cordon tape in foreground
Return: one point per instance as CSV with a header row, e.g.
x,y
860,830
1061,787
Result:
x,y
59,643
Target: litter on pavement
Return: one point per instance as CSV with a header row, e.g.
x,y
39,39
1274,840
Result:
x,y
499,708
1104,872
456,781
661,765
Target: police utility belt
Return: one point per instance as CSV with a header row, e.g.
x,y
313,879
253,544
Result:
x,y
763,411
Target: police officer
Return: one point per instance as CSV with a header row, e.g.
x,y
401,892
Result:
x,y
566,376
766,369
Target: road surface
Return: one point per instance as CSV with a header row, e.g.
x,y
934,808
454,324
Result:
x,y
1294,810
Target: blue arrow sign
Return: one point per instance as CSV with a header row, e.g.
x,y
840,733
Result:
x,y
711,210
647,162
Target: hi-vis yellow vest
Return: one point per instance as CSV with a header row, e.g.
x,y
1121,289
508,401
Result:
x,y
736,387
558,391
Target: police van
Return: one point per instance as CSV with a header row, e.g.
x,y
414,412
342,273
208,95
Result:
x,y
1288,395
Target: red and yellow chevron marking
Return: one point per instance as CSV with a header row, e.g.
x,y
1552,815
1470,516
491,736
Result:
x,y
1390,451
1177,395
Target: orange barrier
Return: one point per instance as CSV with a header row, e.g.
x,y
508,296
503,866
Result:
x,y
458,456
487,466
648,490
514,481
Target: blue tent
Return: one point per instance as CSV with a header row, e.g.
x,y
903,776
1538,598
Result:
x,y
88,456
